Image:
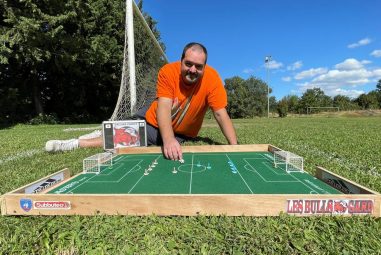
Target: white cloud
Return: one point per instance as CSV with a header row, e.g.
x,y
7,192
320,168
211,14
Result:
x,y
346,80
362,42
295,66
352,93
310,73
273,64
248,71
351,64
376,53
287,79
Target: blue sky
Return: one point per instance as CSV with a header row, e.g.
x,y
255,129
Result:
x,y
331,44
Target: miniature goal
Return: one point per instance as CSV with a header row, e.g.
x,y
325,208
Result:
x,y
97,162
288,161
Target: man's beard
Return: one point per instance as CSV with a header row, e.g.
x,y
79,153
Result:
x,y
191,78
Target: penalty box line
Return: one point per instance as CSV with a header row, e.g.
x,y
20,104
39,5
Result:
x,y
298,180
243,179
253,169
141,177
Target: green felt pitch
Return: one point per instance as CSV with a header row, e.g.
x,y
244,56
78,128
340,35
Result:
x,y
201,173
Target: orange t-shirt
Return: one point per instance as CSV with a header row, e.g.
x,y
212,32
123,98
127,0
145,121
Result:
x,y
188,110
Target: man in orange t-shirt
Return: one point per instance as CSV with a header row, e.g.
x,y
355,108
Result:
x,y
185,90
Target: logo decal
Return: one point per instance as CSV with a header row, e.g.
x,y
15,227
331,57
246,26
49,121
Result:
x,y
26,204
330,206
52,205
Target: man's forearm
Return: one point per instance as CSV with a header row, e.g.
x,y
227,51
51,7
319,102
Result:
x,y
171,147
164,121
226,126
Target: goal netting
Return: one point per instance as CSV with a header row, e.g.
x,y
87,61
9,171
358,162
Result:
x,y
98,162
143,57
288,161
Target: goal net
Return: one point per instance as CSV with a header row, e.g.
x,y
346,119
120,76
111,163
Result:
x,y
288,161
143,57
98,162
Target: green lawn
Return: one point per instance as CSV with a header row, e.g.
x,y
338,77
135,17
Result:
x,y
350,147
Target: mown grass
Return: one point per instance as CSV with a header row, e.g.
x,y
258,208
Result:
x,y
348,146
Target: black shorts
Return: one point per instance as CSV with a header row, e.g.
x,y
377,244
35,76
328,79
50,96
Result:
x,y
153,133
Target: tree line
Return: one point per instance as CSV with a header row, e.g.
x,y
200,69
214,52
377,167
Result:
x,y
61,61
248,98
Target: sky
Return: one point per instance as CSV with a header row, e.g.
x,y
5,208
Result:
x,y
334,45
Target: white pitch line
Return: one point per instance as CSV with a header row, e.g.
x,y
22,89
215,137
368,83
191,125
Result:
x,y
265,180
79,185
141,177
304,183
127,173
247,185
191,176
272,169
23,154
119,166
297,180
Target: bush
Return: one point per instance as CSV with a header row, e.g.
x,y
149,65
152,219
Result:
x,y
43,119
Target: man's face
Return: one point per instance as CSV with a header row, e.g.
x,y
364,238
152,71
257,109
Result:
x,y
192,66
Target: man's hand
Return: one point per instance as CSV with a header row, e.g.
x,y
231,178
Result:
x,y
172,149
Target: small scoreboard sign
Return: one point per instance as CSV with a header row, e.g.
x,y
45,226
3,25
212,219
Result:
x,y
121,134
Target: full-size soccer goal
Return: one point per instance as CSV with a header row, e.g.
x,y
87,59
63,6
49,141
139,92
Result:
x,y
288,161
96,163
143,58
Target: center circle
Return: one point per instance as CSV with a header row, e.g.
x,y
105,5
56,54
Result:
x,y
188,168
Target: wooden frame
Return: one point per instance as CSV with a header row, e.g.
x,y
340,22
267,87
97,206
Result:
x,y
362,201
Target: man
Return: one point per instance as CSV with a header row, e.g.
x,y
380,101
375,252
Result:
x,y
185,90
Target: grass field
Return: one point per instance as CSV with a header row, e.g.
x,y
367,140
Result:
x,y
349,146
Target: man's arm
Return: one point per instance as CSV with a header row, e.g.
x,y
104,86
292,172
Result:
x,y
171,147
226,125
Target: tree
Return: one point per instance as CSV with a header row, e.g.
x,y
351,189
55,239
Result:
x,y
237,97
378,86
378,92
63,58
247,98
368,101
282,107
314,98
344,103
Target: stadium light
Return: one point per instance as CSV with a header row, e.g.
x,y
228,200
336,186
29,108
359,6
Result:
x,y
267,62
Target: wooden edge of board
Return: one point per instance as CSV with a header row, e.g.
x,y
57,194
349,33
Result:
x,y
200,148
37,186
193,205
340,183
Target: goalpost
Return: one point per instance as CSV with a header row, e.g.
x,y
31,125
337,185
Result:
x,y
95,163
143,57
289,161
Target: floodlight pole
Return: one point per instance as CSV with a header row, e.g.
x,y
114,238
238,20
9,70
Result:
x,y
267,62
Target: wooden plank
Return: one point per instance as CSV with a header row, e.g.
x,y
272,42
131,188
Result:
x,y
40,186
199,148
340,183
65,173
187,205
